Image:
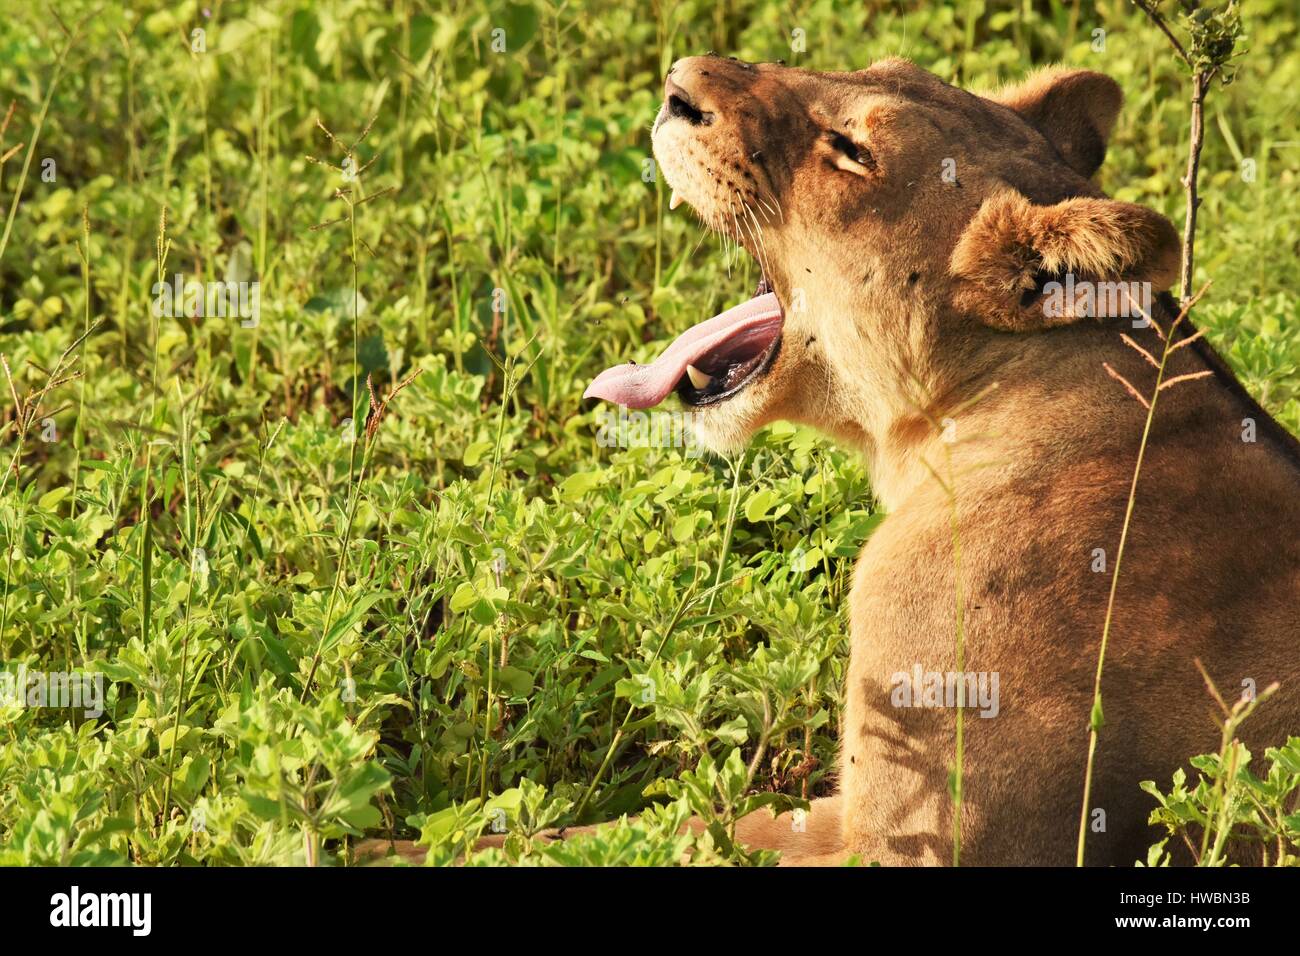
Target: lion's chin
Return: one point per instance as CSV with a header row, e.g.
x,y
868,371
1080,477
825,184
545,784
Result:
x,y
726,428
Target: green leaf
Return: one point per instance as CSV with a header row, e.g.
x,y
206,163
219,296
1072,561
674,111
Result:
x,y
353,615
474,453
50,499
516,680
758,505
464,597
576,487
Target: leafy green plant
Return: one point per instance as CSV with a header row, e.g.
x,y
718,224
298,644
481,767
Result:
x,y
1228,806
1213,34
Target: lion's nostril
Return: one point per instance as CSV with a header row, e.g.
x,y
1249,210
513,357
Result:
x,y
682,108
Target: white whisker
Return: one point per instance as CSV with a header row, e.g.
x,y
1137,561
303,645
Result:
x,y
760,240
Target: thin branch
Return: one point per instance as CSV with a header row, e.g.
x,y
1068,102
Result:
x,y
1169,382
1159,21
1187,341
1140,350
1127,384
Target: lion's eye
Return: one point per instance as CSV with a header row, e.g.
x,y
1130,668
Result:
x,y
852,151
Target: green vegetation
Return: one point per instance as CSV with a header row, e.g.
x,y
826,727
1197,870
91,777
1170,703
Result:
x,y
323,611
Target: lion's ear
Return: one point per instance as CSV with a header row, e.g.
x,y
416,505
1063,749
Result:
x,y
1074,109
1021,267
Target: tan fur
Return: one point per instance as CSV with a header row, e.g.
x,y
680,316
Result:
x,y
903,289
912,286
1074,109
1010,242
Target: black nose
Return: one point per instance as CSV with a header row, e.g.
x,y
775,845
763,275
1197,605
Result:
x,y
696,87
680,103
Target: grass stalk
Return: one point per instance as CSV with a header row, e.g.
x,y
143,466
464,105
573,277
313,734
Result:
x,y
78,433
71,41
162,248
1096,719
189,540
727,533
613,748
945,431
960,611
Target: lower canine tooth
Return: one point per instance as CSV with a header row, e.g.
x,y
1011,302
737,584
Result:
x,y
675,200
698,378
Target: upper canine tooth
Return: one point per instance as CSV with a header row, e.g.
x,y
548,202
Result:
x,y
698,378
675,200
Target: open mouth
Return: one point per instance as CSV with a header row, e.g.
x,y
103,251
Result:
x,y
708,363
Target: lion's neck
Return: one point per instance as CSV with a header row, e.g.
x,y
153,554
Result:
x,y
1032,405
912,415
1003,403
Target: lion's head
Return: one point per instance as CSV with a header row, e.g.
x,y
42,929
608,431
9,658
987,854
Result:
x,y
905,230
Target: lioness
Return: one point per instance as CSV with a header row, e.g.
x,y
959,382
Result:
x,y
914,239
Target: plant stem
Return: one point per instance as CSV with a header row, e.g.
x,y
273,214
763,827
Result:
x,y
731,526
1200,82
959,596
354,479
36,135
162,248
1095,713
190,532
618,735
1110,604
78,435
338,574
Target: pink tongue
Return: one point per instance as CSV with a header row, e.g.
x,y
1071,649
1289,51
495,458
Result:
x,y
641,386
